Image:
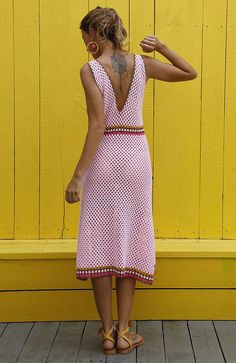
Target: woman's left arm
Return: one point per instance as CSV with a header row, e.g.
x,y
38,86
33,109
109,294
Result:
x,y
96,127
96,124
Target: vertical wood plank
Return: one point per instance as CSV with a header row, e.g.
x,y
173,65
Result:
x,y
51,89
60,117
7,121
229,193
27,113
177,124
212,119
74,125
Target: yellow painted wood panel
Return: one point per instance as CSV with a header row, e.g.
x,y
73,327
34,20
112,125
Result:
x,y
177,125
189,125
53,274
62,113
183,264
74,122
7,122
229,181
27,118
80,305
66,248
212,119
194,280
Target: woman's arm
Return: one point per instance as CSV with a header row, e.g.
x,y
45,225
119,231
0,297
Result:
x,y
96,124
179,70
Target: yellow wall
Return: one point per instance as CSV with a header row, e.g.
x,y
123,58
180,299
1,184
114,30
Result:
x,y
190,126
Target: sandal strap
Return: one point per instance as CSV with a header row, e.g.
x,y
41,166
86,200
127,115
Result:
x,y
130,341
107,335
122,334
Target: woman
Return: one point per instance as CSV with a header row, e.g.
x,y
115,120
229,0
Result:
x,y
116,234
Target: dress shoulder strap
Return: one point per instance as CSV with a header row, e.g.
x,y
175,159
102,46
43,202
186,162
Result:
x,y
97,74
143,69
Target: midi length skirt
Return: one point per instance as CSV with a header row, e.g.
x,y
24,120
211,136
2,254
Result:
x,y
116,233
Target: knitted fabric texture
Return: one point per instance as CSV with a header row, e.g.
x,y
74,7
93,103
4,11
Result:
x,y
116,232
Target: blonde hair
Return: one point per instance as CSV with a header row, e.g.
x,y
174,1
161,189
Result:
x,y
108,25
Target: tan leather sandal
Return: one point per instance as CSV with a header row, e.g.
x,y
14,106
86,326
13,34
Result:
x,y
132,345
109,337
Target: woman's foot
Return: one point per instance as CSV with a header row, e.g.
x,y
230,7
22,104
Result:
x,y
133,337
108,344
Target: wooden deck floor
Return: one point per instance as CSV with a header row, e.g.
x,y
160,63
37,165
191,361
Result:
x,y
177,341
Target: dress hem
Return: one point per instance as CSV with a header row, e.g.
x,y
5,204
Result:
x,y
85,273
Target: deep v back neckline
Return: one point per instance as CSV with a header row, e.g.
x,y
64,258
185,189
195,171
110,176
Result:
x,y
130,85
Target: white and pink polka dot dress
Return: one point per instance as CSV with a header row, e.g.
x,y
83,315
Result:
x,y
116,232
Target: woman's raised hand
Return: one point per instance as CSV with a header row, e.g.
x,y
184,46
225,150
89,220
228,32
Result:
x,y
150,43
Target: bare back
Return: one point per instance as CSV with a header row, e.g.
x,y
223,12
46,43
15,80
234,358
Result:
x,y
121,79
120,70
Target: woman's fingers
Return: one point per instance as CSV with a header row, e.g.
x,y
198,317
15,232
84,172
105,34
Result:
x,y
72,197
76,196
146,46
150,44
72,192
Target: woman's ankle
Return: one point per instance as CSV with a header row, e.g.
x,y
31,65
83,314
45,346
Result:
x,y
122,327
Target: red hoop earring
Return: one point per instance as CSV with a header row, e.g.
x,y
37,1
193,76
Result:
x,y
94,47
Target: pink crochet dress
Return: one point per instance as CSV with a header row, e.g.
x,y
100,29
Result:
x,y
116,233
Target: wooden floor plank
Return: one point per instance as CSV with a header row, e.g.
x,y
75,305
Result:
x,y
12,340
205,344
90,349
152,351
66,345
226,331
39,342
168,341
178,348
